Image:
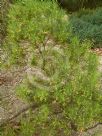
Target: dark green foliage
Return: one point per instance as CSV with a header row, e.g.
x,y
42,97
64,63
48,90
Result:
x,y
73,5
88,25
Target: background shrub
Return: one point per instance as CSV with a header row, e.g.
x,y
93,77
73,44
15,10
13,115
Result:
x,y
74,5
88,25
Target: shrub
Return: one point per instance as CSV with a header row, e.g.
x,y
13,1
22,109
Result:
x,y
34,26
88,25
72,102
62,79
33,21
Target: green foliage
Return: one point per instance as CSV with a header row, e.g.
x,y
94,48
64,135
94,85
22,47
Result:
x,y
24,24
8,131
32,21
88,25
72,100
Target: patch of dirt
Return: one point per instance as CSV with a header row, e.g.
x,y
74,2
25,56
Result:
x,y
97,131
10,104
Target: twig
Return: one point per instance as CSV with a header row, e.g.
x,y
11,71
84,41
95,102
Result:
x,y
5,121
94,126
